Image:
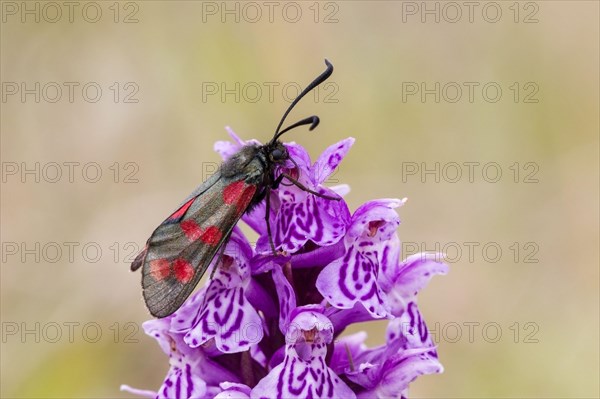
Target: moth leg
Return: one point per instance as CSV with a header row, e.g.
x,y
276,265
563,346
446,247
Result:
x,y
268,213
259,197
303,187
277,182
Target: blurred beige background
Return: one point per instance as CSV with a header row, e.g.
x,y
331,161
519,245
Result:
x,y
146,107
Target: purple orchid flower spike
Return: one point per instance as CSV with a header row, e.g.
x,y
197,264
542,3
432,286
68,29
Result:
x,y
304,372
269,325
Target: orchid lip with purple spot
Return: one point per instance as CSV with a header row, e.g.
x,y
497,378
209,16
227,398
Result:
x,y
269,325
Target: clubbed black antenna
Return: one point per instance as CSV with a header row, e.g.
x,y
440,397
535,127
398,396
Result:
x,y
313,120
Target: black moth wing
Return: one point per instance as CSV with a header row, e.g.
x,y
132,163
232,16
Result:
x,y
180,250
177,216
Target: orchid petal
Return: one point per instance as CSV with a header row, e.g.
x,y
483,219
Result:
x,y
352,279
319,220
330,159
410,276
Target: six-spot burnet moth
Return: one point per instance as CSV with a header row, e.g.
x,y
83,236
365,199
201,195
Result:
x,y
180,250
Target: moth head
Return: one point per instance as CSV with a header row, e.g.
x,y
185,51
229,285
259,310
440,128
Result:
x,y
278,153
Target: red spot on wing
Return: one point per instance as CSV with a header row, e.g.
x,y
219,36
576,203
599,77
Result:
x,y
182,210
191,229
239,194
246,197
159,268
233,192
183,270
212,235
